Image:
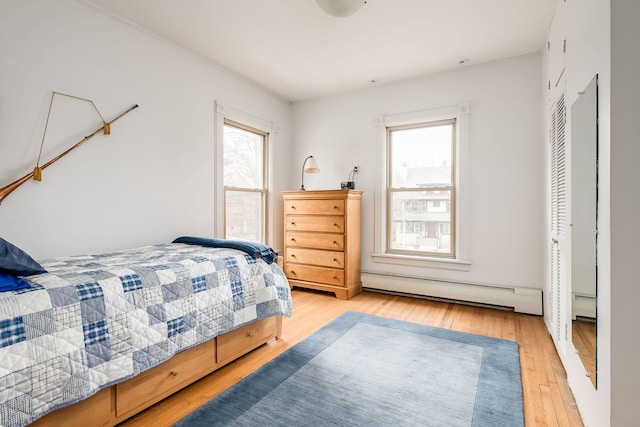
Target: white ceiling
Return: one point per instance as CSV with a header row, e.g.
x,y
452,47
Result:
x,y
297,51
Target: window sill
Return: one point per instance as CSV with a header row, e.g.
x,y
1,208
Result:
x,y
425,262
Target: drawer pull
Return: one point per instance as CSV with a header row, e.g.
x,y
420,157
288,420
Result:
x,y
335,225
173,373
293,206
293,224
293,255
335,260
293,273
293,240
249,334
335,243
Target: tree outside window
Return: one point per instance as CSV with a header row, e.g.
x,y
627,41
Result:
x,y
245,189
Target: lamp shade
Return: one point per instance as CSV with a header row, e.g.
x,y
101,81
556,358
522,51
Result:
x,y
309,166
340,8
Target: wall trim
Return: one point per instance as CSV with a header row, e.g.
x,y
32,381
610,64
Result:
x,y
583,306
522,300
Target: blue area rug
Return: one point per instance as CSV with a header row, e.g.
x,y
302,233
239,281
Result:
x,y
364,370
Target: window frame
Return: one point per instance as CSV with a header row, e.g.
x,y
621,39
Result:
x,y
263,191
224,112
460,215
390,190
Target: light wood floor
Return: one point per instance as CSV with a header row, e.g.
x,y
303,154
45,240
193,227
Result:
x,y
547,398
584,340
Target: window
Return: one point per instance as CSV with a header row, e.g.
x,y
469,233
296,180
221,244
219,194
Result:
x,y
421,188
245,188
427,186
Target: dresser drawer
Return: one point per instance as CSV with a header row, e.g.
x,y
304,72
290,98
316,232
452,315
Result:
x,y
315,240
330,224
235,343
315,257
314,207
329,276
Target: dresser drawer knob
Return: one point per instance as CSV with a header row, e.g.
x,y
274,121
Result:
x,y
249,334
335,260
293,206
293,273
173,373
293,224
335,207
292,255
335,243
293,240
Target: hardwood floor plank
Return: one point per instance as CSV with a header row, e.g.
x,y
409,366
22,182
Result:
x,y
547,398
550,418
562,417
422,310
494,324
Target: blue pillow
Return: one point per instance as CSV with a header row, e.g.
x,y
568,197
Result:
x,y
16,262
11,283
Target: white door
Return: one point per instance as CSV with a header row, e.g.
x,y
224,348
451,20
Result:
x,y
558,216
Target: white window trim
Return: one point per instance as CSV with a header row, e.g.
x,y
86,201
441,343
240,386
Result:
x,y
463,214
223,112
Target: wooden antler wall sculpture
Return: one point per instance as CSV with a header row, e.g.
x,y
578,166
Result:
x,y
37,170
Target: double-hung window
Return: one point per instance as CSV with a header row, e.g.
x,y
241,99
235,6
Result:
x,y
245,182
421,189
422,218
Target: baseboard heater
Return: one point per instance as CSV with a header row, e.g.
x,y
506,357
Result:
x,y
522,300
583,306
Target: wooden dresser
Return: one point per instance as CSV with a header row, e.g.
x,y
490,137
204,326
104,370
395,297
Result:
x,y
322,240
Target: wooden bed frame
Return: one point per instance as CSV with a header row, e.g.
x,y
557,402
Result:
x,y
115,404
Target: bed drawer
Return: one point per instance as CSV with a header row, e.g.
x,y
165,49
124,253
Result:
x,y
98,405
315,257
244,339
321,224
157,383
314,207
315,240
329,276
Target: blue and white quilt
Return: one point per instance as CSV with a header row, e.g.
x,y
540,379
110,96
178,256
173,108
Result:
x,y
95,320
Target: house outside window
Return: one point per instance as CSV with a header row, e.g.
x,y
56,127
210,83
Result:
x,y
421,189
245,184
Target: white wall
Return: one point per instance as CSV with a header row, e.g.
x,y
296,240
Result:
x,y
505,190
149,181
585,25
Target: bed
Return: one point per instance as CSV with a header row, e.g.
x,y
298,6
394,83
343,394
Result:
x,y
111,334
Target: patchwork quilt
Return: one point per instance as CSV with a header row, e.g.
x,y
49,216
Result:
x,y
96,320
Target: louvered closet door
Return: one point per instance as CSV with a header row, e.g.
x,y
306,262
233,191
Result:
x,y
558,214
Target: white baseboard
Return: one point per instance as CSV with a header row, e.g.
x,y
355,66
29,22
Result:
x,y
583,306
522,300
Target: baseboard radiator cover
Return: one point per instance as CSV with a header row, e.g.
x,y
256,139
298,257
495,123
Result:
x,y
522,300
583,306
